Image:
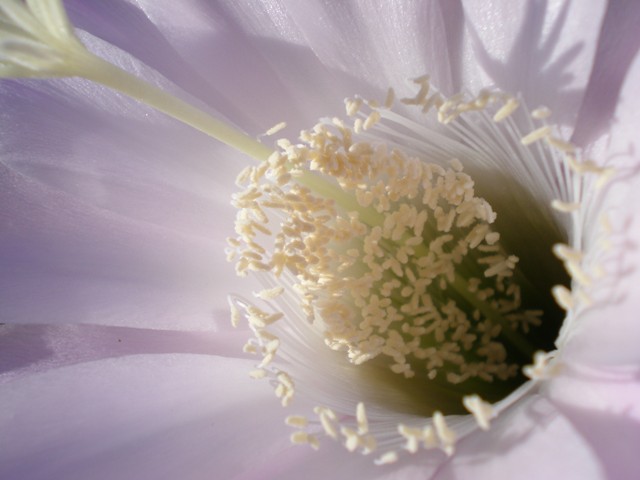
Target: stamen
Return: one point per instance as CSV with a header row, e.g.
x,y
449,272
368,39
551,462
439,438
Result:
x,y
270,293
565,207
258,374
563,146
541,113
276,128
566,253
543,366
538,134
361,415
386,458
391,95
481,410
563,296
303,438
297,421
446,436
506,110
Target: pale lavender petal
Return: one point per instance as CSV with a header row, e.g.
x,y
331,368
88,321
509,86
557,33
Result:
x,y
531,441
216,56
604,407
366,50
30,349
258,56
103,201
608,332
66,262
308,57
617,47
160,417
527,47
126,25
333,461
384,43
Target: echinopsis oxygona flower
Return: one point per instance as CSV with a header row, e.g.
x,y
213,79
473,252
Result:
x,y
396,262
401,287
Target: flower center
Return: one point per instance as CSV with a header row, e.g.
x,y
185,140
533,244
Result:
x,y
396,262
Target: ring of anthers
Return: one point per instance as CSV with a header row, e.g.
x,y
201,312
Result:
x,y
392,260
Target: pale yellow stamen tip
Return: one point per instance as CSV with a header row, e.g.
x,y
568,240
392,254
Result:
x,y
386,458
506,110
541,113
605,176
390,98
589,167
566,253
275,129
373,118
543,366
302,438
269,294
236,316
297,421
561,145
565,207
328,420
563,297
481,410
361,416
446,435
536,135
352,106
258,374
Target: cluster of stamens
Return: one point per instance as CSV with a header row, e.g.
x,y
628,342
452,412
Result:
x,y
393,260
379,275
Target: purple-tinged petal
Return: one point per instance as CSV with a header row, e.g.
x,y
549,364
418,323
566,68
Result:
x,y
533,440
66,262
607,333
604,407
125,25
384,43
108,203
617,47
526,47
333,461
30,349
161,417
